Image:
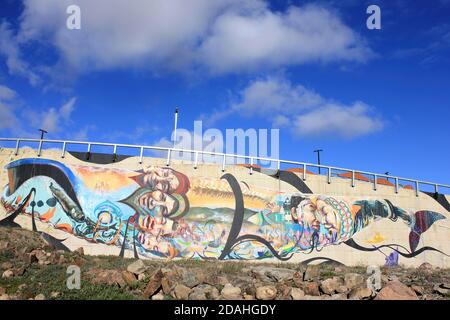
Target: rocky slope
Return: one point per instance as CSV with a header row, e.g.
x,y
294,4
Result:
x,y
31,269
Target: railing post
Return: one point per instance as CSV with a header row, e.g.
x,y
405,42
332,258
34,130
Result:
x,y
63,154
223,162
436,188
251,165
88,155
115,153
141,155
329,175
40,148
417,188
353,178
304,172
196,160
375,178
168,157
396,185
17,147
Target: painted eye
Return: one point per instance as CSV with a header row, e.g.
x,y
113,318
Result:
x,y
33,203
40,203
51,202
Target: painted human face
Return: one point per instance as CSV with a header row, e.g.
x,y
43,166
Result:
x,y
162,179
161,203
150,242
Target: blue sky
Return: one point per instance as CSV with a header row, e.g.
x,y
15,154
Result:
x,y
376,100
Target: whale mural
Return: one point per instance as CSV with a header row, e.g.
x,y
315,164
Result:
x,y
161,212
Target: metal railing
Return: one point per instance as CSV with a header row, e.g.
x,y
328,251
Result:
x,y
225,156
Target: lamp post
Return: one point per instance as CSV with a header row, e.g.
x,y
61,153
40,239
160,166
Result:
x,y
42,133
175,130
318,157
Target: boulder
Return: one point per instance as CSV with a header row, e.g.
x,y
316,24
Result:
x,y
273,274
80,251
129,278
353,280
266,293
331,285
396,290
158,296
360,293
312,273
230,292
189,278
204,292
297,294
2,290
39,297
418,289
138,267
181,292
8,274
4,297
339,296
167,285
154,284
440,288
311,289
7,265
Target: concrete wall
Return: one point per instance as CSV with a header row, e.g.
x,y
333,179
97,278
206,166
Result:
x,y
194,213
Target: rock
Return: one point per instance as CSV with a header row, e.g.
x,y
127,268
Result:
x,y
110,277
39,297
360,294
22,287
297,294
339,296
167,285
138,267
189,278
425,266
181,292
2,290
273,274
7,265
62,259
19,272
248,297
266,293
3,245
129,278
80,251
298,279
142,277
4,297
338,270
158,296
312,273
8,274
55,295
204,292
342,289
396,290
440,289
330,286
418,289
219,280
154,284
311,289
231,293
353,280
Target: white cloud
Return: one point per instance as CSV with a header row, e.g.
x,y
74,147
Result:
x,y
301,110
221,36
8,119
9,48
53,119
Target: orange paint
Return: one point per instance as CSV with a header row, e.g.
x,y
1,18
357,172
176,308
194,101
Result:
x,y
65,227
18,199
48,215
355,210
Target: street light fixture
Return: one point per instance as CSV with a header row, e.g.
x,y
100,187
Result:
x,y
42,133
318,157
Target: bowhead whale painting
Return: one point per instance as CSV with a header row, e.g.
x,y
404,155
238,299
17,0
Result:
x,y
161,212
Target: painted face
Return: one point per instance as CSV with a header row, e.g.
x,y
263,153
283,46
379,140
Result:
x,y
150,242
162,179
161,203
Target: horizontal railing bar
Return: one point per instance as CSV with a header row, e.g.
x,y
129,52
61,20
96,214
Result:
x,y
251,158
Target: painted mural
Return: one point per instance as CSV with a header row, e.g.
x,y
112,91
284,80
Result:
x,y
160,212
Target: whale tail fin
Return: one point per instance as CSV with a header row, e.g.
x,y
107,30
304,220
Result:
x,y
422,222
